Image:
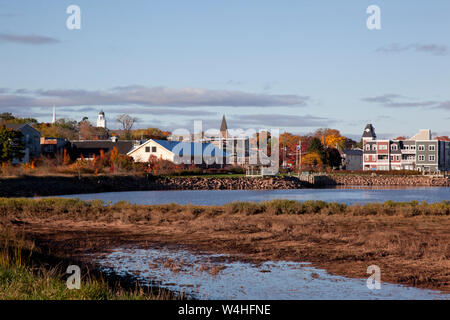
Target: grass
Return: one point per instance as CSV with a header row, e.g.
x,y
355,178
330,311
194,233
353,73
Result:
x,y
22,279
91,210
408,240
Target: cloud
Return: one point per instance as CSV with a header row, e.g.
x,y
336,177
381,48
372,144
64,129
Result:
x,y
444,105
434,49
27,39
280,120
162,111
398,101
152,96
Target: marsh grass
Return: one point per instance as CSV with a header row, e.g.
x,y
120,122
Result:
x,y
24,275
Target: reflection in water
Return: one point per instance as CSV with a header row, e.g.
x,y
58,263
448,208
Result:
x,y
347,195
207,276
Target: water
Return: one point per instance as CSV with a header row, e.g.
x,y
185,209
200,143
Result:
x,y
346,195
207,276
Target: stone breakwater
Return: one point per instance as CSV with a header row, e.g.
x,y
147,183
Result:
x,y
401,181
46,186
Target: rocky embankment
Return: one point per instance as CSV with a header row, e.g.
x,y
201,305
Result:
x,y
44,186
30,186
401,181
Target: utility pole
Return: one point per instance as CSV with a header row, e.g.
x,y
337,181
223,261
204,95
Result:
x,y
300,155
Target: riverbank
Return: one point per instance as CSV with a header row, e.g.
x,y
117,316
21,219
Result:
x,y
28,272
408,241
30,186
386,180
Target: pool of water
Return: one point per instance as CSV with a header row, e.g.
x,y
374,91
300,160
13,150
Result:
x,y
216,276
346,195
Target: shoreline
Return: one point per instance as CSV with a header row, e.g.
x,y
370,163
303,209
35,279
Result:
x,y
31,186
409,246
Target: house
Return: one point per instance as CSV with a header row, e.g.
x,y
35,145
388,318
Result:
x,y
419,152
50,147
89,148
31,138
352,159
179,152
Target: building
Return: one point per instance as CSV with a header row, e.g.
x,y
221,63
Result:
x,y
101,120
179,152
50,147
419,152
237,147
89,148
31,139
352,159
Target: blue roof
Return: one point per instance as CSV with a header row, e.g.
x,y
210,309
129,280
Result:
x,y
181,148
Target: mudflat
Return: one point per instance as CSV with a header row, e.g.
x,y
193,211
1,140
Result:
x,y
410,242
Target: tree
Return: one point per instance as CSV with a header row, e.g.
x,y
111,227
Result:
x,y
150,133
312,159
333,157
7,117
127,123
315,146
11,145
88,132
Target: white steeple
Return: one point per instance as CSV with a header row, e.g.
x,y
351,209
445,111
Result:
x,y
101,120
54,115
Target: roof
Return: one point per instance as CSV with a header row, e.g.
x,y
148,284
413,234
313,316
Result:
x,y
352,152
181,148
89,147
223,126
424,134
369,131
14,126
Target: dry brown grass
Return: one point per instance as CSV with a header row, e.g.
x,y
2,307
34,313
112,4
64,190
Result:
x,y
409,241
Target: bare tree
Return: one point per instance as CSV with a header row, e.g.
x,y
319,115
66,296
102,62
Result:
x,y
127,123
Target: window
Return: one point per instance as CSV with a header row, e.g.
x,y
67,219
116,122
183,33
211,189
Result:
x,y
421,147
368,147
392,158
394,147
366,157
407,147
413,147
432,158
421,157
147,149
431,147
383,147
374,147
153,149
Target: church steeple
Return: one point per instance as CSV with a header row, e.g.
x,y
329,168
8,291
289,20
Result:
x,y
224,128
101,120
54,115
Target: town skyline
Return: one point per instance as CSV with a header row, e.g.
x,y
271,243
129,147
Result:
x,y
297,67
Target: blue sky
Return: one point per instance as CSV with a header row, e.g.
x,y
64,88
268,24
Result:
x,y
296,65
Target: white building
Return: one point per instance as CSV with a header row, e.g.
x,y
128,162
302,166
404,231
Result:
x,y
178,152
101,120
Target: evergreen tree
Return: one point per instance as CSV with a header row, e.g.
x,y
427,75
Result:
x,y
11,145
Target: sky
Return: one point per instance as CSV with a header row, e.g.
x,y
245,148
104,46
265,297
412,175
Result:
x,y
294,65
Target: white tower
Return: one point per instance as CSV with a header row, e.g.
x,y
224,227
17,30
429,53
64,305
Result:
x,y
54,115
101,120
